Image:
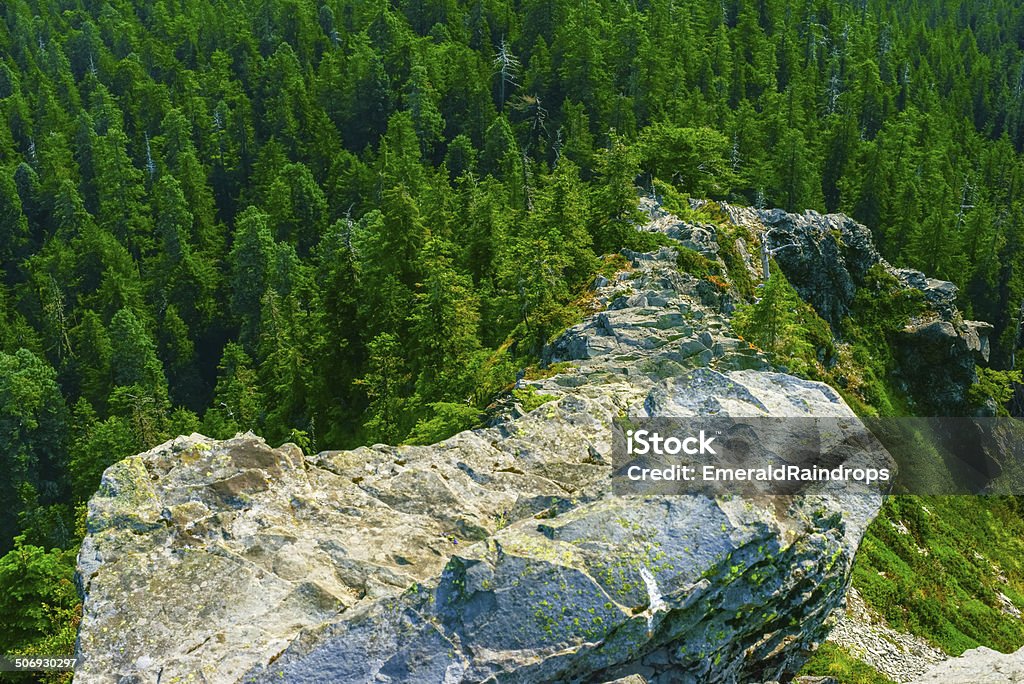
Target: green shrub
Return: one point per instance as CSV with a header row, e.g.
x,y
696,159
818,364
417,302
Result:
x,y
447,419
529,398
648,241
696,264
831,660
996,385
785,327
941,579
39,606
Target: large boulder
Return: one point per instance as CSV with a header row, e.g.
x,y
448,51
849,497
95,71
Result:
x,y
978,666
500,554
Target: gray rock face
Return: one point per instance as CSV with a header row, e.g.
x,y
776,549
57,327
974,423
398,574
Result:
x,y
978,666
940,294
701,238
499,554
827,258
938,363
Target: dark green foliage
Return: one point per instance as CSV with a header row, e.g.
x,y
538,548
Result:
x,y
735,265
861,366
693,158
786,327
252,264
237,404
96,445
444,323
696,264
288,162
386,384
33,434
447,419
995,385
14,232
881,308
648,241
38,600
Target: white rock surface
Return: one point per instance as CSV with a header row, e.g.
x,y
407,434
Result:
x,y
978,666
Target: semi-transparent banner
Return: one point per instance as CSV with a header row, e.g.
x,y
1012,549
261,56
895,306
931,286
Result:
x,y
749,456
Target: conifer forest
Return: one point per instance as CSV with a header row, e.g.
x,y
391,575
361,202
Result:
x,y
346,222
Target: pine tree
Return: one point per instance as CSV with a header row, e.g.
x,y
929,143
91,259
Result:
x,y
444,325
776,323
251,262
93,352
178,351
33,433
183,163
422,103
797,181
385,383
237,401
135,361
37,586
615,199
297,208
14,234
95,446
173,223
122,207
284,369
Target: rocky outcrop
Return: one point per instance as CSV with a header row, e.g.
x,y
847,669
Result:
x,y
978,666
827,258
831,258
500,554
497,555
654,320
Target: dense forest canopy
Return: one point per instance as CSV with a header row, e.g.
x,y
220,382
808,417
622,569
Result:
x,y
340,222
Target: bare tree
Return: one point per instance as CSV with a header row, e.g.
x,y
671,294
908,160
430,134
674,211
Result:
x,y
768,252
507,68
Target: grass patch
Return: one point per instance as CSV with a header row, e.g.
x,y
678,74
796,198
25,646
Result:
x,y
831,660
535,372
942,579
880,309
613,264
529,398
678,204
687,260
735,264
861,366
696,264
648,241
